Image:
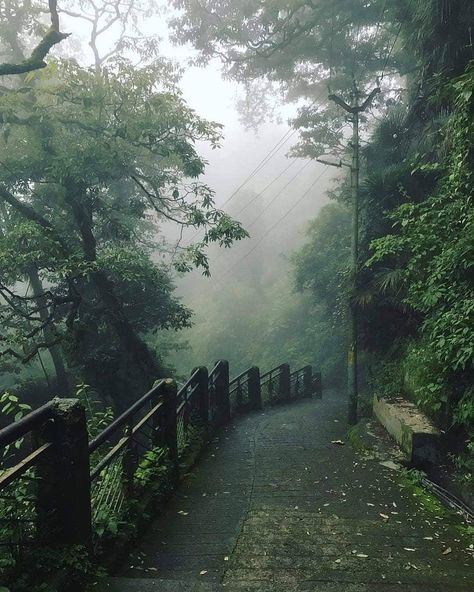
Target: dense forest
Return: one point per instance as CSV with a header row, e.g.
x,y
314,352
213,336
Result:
x,y
101,168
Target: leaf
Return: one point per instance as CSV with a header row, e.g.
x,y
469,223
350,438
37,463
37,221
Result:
x,y
447,551
202,572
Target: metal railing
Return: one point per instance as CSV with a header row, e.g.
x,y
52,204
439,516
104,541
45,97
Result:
x,y
115,454
275,385
59,486
192,411
245,391
19,480
301,383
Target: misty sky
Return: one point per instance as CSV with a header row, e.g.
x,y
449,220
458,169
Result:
x,y
242,150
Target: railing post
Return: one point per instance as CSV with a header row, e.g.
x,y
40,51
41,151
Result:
x,y
307,381
254,388
285,382
63,500
222,392
317,385
202,380
168,430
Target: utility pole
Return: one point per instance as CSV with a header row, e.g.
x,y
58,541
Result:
x,y
354,110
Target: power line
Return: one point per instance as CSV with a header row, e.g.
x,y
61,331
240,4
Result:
x,y
374,37
255,197
278,146
391,50
269,230
221,254
275,197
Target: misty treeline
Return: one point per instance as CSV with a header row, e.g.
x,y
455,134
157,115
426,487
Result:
x,y
95,158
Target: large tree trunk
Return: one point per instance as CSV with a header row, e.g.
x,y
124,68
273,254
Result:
x,y
62,382
131,382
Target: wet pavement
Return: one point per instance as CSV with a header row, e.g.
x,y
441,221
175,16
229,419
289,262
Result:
x,y
277,503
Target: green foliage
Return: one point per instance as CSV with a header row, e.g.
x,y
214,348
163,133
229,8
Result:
x,y
423,377
464,465
15,500
356,441
434,247
386,380
93,161
98,416
54,569
153,469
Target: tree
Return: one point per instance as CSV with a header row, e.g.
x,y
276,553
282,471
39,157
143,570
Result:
x,y
82,153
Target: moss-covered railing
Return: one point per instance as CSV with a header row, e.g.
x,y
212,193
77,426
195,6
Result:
x,y
58,488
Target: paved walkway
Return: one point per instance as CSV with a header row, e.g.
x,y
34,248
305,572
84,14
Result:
x,y
274,505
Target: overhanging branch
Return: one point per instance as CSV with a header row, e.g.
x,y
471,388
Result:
x,y
36,60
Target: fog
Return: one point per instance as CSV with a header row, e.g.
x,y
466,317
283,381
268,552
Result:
x,y
255,181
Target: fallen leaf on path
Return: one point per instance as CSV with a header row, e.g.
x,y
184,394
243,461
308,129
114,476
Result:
x,y
389,464
202,572
339,442
409,549
447,551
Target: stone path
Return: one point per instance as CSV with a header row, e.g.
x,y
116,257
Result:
x,y
274,505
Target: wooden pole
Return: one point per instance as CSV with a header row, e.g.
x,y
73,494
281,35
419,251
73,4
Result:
x,y
352,354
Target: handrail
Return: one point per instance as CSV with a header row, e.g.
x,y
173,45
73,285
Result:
x,y
269,372
188,383
122,419
182,404
9,475
18,429
216,367
239,376
296,372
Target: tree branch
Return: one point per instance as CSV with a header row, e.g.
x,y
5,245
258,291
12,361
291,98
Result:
x,y
36,60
